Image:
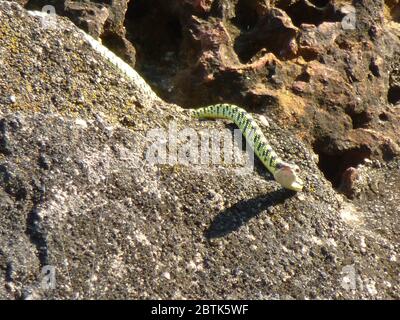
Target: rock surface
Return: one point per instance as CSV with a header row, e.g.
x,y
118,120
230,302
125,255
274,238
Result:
x,y
78,192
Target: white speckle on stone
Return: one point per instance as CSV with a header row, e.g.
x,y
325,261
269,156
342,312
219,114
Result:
x,y
331,242
191,265
286,277
253,247
12,99
316,240
285,226
166,275
141,238
264,121
81,99
251,237
371,288
301,196
362,244
198,258
349,214
93,278
80,122
393,258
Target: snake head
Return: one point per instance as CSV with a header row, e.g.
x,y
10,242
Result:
x,y
286,175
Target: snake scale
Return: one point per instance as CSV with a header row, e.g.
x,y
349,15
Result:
x,y
284,173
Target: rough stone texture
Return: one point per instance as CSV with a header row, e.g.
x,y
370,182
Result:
x,y
77,193
101,19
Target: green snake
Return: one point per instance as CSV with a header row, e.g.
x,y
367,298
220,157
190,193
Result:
x,y
284,173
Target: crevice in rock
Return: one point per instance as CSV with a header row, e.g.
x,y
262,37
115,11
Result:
x,y
12,184
384,116
156,32
35,229
394,95
359,118
320,3
304,76
273,33
333,164
9,272
4,143
6,267
394,9
388,153
39,4
308,54
116,44
246,16
310,11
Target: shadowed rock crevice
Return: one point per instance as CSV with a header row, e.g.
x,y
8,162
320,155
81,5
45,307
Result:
x,y
310,12
35,229
394,95
334,164
4,144
12,184
155,30
246,15
273,32
37,235
359,119
393,7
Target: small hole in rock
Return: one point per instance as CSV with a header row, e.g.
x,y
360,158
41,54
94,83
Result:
x,y
384,116
333,164
394,95
320,3
156,32
359,118
246,15
318,12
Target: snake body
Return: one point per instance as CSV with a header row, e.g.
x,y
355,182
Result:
x,y
284,173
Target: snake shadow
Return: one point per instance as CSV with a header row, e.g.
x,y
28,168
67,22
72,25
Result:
x,y
239,214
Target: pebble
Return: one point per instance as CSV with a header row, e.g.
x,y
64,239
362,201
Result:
x,y
12,99
80,122
264,121
301,196
166,275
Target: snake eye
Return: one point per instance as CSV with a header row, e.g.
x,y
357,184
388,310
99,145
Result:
x,y
279,166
